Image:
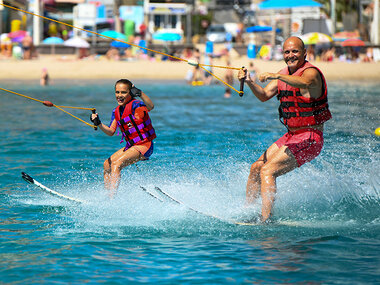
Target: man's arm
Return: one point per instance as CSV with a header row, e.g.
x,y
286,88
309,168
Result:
x,y
310,80
263,94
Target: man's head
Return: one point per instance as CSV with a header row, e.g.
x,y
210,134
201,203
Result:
x,y
294,53
122,91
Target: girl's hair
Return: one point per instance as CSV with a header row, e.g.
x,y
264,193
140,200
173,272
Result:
x,y
124,81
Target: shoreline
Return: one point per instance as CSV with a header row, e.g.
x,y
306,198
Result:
x,y
65,68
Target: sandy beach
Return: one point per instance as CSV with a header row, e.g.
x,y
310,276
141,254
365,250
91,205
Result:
x,y
67,67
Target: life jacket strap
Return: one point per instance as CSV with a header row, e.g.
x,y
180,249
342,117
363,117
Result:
x,y
288,115
133,130
304,105
146,135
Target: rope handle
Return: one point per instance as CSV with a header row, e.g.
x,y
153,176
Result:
x,y
241,92
94,112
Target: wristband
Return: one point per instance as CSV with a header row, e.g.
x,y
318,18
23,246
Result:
x,y
96,121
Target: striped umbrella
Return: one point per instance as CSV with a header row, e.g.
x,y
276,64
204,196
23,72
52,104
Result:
x,y
353,43
316,38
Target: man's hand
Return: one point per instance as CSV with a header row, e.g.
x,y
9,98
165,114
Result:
x,y
243,74
95,119
268,76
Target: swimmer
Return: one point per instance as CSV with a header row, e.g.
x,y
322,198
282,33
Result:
x,y
132,118
302,91
44,81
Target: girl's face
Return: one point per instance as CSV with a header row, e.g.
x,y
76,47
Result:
x,y
122,94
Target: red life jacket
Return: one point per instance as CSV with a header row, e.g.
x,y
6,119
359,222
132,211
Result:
x,y
297,110
134,131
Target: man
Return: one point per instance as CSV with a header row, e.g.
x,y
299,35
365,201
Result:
x,y
302,91
27,47
131,116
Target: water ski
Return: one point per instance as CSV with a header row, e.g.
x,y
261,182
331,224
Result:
x,y
172,199
31,180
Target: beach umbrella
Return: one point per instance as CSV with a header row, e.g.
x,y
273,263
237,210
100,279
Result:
x,y
286,4
316,38
342,36
114,35
259,29
17,39
77,43
53,41
167,37
17,34
353,43
118,44
255,32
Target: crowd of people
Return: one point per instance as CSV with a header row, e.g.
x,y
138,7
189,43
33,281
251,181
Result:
x,y
338,53
23,48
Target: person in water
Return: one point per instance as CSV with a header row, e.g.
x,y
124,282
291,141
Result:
x,y
302,91
132,118
44,80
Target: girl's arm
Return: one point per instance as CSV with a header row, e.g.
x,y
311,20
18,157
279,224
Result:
x,y
107,130
148,102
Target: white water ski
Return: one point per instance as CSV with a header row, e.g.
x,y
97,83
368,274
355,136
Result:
x,y
31,180
151,194
203,213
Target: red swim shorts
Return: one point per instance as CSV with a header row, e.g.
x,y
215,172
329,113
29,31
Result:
x,y
304,144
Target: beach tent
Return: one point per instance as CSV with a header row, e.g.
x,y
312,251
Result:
x,y
286,4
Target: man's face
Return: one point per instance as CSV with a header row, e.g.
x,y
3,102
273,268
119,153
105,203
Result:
x,y
294,55
122,94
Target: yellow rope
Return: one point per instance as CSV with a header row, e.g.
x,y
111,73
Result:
x,y
22,95
78,108
219,66
221,80
92,126
151,50
52,105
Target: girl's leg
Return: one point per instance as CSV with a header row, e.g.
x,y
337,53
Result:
x,y
114,165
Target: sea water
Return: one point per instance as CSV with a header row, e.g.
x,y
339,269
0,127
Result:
x,y
326,226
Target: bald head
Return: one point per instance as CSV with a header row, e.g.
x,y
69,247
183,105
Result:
x,y
294,53
296,41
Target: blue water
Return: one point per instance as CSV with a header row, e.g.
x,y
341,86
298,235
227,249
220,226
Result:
x,y
327,213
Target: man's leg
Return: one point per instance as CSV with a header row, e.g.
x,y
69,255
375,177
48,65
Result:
x,y
254,180
281,162
114,165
